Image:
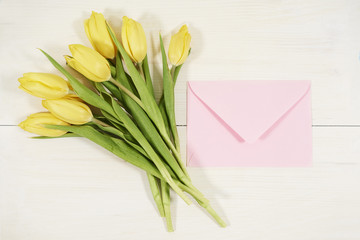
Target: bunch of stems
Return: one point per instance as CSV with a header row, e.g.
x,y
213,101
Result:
x,y
136,128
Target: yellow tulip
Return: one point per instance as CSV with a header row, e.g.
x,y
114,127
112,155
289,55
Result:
x,y
34,124
133,39
97,33
89,63
69,110
44,85
179,46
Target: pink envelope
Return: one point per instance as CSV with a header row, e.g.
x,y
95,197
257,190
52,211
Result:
x,y
249,123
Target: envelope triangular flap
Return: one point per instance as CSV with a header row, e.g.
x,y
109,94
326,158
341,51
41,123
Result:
x,y
250,108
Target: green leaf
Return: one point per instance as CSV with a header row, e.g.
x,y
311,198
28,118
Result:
x,y
146,97
176,73
156,194
121,74
104,94
164,115
99,87
63,136
136,133
169,98
107,129
113,71
120,148
114,90
169,101
120,134
146,70
112,119
165,194
134,145
108,98
175,76
150,132
82,91
137,79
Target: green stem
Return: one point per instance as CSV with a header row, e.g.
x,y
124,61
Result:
x,y
175,152
113,70
166,120
128,92
97,121
117,132
175,149
146,71
163,203
192,191
143,142
212,212
175,76
156,194
176,72
172,73
153,186
141,71
148,128
203,202
165,193
176,138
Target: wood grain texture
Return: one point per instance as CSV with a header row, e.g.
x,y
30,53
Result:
x,y
231,40
73,189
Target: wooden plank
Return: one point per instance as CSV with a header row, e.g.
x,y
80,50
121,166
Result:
x,y
70,188
231,40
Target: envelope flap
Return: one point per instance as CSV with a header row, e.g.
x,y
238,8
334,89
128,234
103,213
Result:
x,y
249,108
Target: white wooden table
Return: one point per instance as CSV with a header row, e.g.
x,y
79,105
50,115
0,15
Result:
x,y
72,189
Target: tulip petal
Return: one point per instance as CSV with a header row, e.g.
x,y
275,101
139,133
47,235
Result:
x,y
69,110
134,39
82,91
179,46
81,69
96,31
185,52
44,85
89,63
87,31
35,124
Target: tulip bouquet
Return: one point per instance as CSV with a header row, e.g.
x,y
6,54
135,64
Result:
x,y
130,122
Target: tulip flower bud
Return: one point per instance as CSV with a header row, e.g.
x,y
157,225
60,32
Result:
x,y
133,39
34,124
89,63
69,110
44,85
179,46
97,33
